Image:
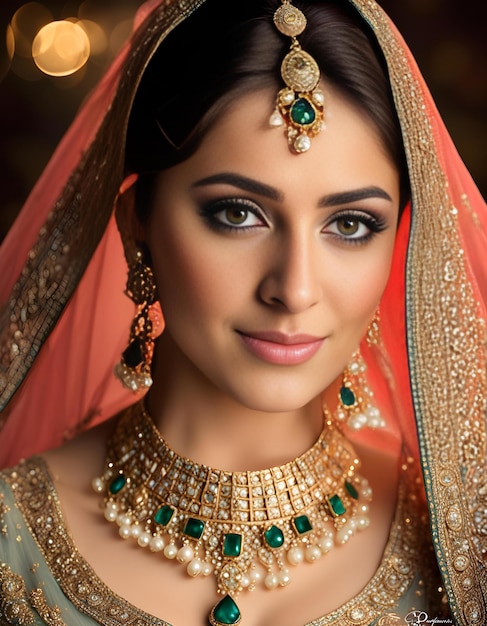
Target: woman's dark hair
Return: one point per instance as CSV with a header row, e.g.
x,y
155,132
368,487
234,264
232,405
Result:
x,y
228,48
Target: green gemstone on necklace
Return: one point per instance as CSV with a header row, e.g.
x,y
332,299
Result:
x,y
351,490
117,484
336,505
225,613
347,396
302,524
164,515
232,544
302,112
194,528
274,537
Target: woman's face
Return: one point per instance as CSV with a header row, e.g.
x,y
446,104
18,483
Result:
x,y
270,265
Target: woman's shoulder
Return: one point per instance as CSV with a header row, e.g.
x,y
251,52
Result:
x,y
35,488
75,460
67,463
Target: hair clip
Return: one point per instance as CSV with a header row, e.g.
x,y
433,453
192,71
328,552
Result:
x,y
299,105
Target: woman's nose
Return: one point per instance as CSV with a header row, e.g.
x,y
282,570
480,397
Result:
x,y
291,279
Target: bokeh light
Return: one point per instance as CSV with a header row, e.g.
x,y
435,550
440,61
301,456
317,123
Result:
x,y
26,23
96,35
7,51
61,48
10,42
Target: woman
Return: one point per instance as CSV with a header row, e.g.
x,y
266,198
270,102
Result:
x,y
264,203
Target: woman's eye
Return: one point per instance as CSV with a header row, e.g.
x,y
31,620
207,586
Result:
x,y
348,226
233,214
237,216
356,228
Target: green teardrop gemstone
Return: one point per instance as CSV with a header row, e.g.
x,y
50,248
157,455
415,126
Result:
x,y
117,484
347,396
226,612
164,515
336,505
274,537
302,112
351,490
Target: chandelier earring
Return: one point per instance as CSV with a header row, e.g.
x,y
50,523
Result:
x,y
134,368
356,400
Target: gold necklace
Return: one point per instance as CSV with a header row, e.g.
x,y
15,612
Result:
x,y
243,527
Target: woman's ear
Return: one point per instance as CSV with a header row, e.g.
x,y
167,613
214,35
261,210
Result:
x,y
129,225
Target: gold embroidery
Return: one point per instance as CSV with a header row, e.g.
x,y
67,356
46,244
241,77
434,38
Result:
x,y
14,607
446,343
4,509
52,616
391,619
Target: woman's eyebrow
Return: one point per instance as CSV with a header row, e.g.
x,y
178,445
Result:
x,y
254,186
242,182
347,197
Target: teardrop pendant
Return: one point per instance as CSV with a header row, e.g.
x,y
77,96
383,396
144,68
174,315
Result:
x,y
225,613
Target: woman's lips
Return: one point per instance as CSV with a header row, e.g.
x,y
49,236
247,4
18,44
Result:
x,y
281,349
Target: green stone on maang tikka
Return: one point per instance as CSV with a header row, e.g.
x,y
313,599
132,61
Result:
x,y
347,396
164,515
117,484
274,537
194,528
232,545
351,490
225,613
302,524
336,505
302,112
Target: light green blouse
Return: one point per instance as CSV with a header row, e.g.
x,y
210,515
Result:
x,y
45,581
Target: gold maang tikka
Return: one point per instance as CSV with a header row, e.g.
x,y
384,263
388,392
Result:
x,y
299,105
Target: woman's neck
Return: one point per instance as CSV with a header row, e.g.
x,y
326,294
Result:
x,y
235,438
208,426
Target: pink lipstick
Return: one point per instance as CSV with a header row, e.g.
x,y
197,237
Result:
x,y
281,349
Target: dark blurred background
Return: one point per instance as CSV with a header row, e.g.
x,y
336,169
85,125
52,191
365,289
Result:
x,y
448,38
